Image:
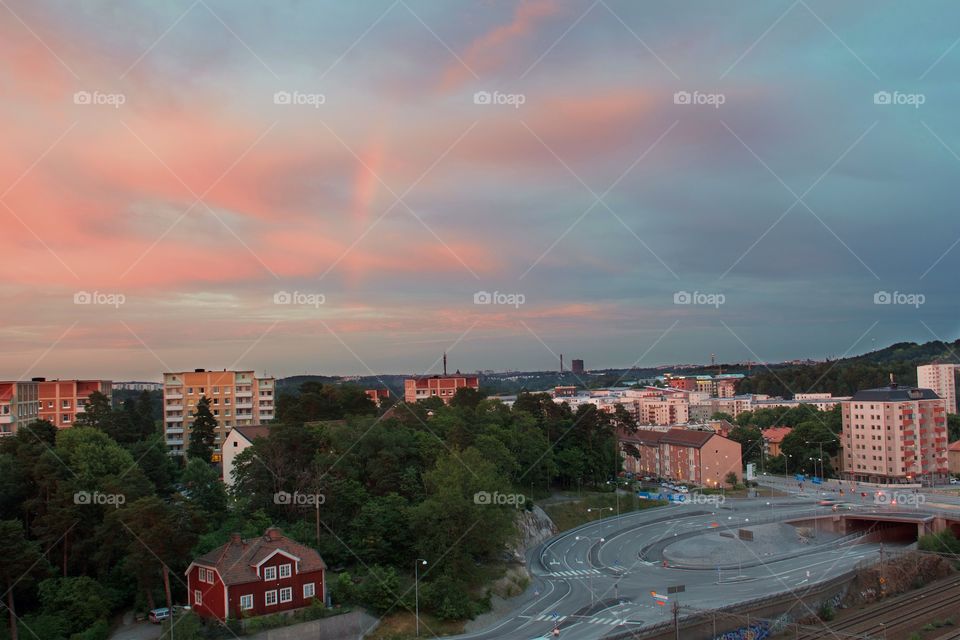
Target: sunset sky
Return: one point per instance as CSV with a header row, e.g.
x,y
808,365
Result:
x,y
149,155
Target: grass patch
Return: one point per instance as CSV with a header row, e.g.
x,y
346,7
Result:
x,y
567,515
402,626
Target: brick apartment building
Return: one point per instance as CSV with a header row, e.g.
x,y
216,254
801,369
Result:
x,y
237,399
440,386
894,434
19,405
942,380
701,457
62,400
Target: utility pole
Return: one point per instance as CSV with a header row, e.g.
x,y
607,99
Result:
x,y
676,619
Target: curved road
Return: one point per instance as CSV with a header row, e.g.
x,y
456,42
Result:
x,y
591,582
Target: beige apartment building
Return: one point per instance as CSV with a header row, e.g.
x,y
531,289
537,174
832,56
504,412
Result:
x,y
942,379
237,399
894,435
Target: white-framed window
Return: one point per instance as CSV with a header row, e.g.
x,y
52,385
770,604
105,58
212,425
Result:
x,y
309,590
269,573
286,594
246,602
197,597
270,598
286,570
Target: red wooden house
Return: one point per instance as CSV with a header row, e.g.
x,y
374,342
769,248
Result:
x,y
246,578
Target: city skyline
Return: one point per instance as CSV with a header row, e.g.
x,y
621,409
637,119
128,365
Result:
x,y
353,190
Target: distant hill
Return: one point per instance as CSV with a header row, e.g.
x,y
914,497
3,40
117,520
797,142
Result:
x,y
848,375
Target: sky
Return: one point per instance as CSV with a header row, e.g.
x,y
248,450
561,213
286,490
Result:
x,y
354,188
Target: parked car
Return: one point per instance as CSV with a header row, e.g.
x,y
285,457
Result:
x,y
683,489
954,480
159,615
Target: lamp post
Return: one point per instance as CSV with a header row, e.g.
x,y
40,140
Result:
x,y
616,492
416,588
786,465
591,540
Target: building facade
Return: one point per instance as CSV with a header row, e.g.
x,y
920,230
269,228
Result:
x,y
894,435
19,405
61,401
942,379
700,457
438,386
236,442
237,399
254,577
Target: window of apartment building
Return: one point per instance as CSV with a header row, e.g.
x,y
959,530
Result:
x,y
216,401
286,594
202,390
216,412
216,390
246,602
270,598
190,390
269,573
226,401
65,417
65,404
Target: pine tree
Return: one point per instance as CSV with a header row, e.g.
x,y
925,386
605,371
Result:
x,y
202,431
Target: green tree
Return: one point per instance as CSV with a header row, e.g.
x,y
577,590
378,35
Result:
x,y
953,427
81,601
751,442
204,489
203,430
96,412
21,560
380,589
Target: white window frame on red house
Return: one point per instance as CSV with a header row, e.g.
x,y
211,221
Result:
x,y
309,590
269,573
197,597
246,602
286,591
266,598
286,570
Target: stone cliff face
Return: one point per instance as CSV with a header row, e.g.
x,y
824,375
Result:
x,y
533,527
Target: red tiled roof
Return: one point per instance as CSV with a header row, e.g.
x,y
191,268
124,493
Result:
x,y
236,560
954,446
776,434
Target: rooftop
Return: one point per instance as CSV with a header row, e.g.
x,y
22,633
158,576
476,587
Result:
x,y
894,393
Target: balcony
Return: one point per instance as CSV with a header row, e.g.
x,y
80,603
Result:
x,y
175,431
244,405
173,396
7,419
244,394
171,417
174,442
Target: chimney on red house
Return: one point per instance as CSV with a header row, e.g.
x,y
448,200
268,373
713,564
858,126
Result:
x,y
273,533
235,538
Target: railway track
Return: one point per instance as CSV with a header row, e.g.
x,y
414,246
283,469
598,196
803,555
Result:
x,y
898,614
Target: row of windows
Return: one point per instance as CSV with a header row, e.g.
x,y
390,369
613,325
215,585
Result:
x,y
270,573
270,598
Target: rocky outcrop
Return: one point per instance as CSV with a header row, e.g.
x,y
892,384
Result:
x,y
533,527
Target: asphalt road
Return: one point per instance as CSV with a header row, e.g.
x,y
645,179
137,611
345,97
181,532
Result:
x,y
592,581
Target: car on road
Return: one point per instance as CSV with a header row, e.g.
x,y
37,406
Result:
x,y
827,502
954,480
159,615
683,489
843,506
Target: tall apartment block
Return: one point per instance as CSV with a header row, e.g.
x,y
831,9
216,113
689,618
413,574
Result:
x,y
942,378
62,400
237,399
894,434
19,405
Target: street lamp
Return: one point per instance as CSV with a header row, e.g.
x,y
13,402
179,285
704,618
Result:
x,y
616,491
416,588
601,540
